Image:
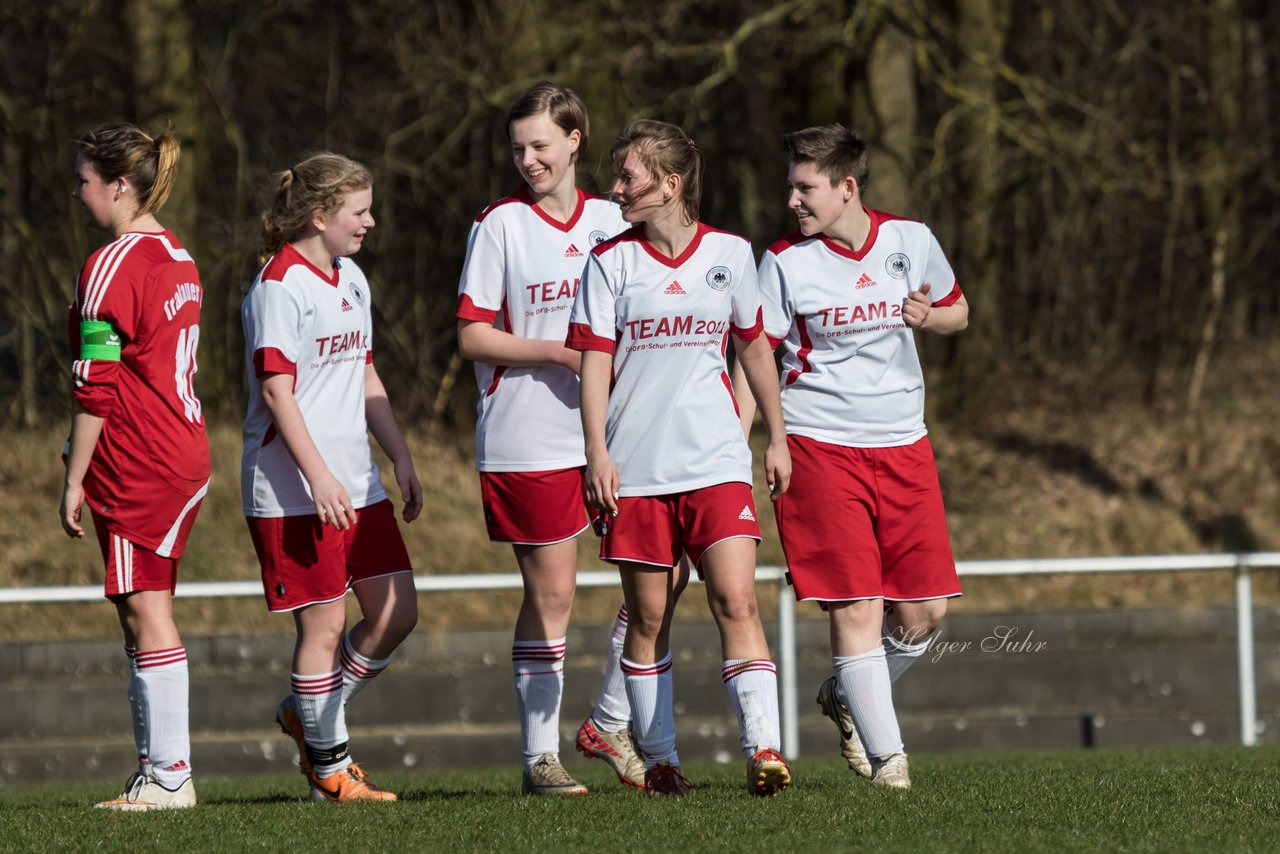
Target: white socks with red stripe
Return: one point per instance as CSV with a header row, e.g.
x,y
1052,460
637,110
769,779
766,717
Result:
x,y
865,688
318,700
161,687
613,709
539,671
753,690
649,690
357,671
137,712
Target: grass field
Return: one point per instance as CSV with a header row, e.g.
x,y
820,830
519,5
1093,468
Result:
x,y
1201,799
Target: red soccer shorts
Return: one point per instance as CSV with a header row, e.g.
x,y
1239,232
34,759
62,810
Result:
x,y
130,566
306,563
865,523
656,529
535,508
152,512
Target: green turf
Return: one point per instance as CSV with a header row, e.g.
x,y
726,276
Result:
x,y
1206,799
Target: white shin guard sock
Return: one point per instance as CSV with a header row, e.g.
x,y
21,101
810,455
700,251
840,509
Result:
x,y
358,671
753,691
613,709
137,712
649,690
162,690
900,655
539,673
324,721
867,692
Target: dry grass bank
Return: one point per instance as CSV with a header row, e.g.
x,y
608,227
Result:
x,y
1050,471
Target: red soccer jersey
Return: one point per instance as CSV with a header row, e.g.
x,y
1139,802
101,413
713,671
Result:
x,y
138,299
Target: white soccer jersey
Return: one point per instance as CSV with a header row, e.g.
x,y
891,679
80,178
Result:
x,y
318,327
672,424
521,274
850,372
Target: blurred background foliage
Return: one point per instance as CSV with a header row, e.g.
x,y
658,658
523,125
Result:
x,y
1102,174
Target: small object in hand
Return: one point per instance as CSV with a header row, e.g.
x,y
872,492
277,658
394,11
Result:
x,y
600,525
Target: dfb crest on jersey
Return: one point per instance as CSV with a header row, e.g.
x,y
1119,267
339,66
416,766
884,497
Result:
x,y
598,237
719,278
898,265
357,294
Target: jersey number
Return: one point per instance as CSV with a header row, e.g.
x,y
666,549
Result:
x,y
184,372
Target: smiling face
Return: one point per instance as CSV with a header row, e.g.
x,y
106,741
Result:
x,y
99,197
342,232
544,153
640,195
815,200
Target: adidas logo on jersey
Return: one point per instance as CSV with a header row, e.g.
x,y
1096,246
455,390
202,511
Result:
x,y
746,515
346,306
572,252
674,288
864,281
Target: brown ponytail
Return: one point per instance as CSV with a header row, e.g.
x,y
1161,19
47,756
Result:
x,y
664,149
321,183
121,150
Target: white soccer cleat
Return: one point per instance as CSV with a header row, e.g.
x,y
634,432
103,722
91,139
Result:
x,y
616,748
891,772
144,792
767,773
548,777
850,745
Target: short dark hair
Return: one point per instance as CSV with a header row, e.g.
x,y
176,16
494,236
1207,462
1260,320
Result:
x,y
561,103
836,151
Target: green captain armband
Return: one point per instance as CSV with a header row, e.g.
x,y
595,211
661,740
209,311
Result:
x,y
99,340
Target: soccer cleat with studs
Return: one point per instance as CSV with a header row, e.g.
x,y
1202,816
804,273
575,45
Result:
x,y
291,725
142,791
616,748
548,777
850,745
891,772
664,780
767,773
349,784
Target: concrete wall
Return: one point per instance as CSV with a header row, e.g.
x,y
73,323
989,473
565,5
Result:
x,y
991,682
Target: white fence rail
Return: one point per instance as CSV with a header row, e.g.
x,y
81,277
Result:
x,y
1240,564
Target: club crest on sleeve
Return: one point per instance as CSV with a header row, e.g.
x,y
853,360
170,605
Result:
x,y
897,265
719,278
598,237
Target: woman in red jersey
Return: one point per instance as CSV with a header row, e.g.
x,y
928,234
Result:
x,y
138,453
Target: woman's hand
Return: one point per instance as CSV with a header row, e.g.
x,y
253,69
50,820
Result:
x,y
69,510
333,504
602,483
